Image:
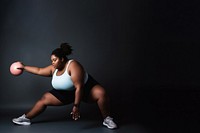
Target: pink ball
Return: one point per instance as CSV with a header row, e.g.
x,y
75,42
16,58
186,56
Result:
x,y
14,68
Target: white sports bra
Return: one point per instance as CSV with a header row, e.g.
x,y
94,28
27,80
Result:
x,y
64,81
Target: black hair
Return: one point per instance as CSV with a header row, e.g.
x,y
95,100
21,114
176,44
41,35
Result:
x,y
62,52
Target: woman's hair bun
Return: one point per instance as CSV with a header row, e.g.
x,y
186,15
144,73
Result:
x,y
67,49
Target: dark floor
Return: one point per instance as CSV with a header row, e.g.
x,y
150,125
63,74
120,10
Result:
x,y
55,121
170,111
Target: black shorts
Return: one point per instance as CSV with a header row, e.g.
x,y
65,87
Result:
x,y
67,97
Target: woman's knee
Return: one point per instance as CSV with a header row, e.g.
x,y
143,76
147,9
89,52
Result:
x,y
45,99
99,92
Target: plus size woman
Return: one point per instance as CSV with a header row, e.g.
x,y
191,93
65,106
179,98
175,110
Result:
x,y
71,84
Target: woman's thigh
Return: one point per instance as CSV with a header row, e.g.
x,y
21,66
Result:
x,y
51,100
95,93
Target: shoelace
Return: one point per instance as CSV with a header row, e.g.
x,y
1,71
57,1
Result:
x,y
109,120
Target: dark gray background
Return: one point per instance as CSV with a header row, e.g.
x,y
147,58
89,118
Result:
x,y
145,53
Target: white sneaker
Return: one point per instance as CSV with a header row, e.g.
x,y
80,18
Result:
x,y
22,120
108,121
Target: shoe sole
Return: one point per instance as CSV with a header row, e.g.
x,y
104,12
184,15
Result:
x,y
108,126
21,123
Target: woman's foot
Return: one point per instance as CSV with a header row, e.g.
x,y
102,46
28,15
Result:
x,y
22,120
108,122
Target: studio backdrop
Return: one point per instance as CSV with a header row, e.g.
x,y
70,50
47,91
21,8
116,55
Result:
x,y
131,47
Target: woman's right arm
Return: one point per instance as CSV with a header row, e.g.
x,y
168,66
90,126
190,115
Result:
x,y
46,71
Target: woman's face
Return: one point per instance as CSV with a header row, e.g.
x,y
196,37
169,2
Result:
x,y
56,62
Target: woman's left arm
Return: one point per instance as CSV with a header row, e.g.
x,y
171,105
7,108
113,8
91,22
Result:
x,y
77,75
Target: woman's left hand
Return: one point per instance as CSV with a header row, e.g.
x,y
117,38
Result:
x,y
75,113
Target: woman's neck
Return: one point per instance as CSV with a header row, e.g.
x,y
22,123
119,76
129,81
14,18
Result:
x,y
62,66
